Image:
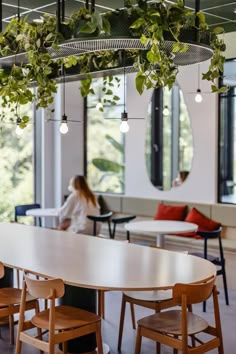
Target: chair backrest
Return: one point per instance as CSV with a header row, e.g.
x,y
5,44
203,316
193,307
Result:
x,y
210,235
195,293
20,210
100,218
2,270
45,289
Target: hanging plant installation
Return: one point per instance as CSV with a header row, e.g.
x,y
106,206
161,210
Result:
x,y
155,37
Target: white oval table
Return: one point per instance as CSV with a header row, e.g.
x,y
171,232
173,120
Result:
x,y
88,262
161,228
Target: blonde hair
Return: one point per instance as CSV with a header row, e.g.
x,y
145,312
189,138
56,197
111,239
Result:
x,y
79,183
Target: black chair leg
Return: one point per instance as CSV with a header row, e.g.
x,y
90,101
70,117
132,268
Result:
x,y
109,228
204,306
225,287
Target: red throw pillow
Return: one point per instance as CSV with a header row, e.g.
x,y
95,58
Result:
x,y
170,212
203,222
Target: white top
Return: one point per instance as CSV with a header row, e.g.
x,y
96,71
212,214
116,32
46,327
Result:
x,y
77,208
95,262
161,226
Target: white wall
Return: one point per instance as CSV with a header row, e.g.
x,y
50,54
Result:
x,y
201,183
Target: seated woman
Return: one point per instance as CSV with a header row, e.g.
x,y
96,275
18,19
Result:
x,y
180,179
80,203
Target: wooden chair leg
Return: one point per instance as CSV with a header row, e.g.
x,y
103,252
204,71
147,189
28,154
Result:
x,y
101,303
64,347
121,326
132,315
99,339
138,341
158,348
18,278
11,328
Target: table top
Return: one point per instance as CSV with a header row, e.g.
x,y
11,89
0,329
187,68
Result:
x,y
161,226
41,212
97,263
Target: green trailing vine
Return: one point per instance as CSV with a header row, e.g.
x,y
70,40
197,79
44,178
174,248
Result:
x,y
155,67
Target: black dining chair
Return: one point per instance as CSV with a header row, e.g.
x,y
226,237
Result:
x,y
218,260
99,219
20,210
122,220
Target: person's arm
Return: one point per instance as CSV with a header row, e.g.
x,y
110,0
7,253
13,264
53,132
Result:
x,y
66,211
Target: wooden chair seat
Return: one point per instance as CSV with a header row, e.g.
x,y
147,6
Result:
x,y
66,317
155,295
12,296
170,322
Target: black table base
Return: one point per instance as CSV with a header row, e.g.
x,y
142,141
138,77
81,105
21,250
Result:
x,y
86,300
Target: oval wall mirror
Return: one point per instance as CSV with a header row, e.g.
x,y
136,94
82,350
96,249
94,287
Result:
x,y
169,140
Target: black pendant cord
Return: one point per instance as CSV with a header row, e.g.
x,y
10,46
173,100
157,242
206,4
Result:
x,y
18,10
92,5
58,14
0,15
197,9
198,76
62,11
124,78
63,91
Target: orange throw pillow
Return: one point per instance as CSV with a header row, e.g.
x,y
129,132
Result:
x,y
170,212
204,223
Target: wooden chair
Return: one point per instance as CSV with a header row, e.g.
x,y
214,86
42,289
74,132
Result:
x,y
62,323
157,300
218,260
10,299
174,327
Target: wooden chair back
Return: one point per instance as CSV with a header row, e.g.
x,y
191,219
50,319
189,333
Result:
x,y
2,271
45,289
194,293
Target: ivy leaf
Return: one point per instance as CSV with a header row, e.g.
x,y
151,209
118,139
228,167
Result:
x,y
140,80
138,23
218,30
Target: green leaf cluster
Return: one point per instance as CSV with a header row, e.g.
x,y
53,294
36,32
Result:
x,y
151,22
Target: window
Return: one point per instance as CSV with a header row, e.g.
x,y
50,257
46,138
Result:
x,y
105,143
169,143
16,165
227,136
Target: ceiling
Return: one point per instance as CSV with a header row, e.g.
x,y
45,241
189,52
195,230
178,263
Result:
x,y
218,12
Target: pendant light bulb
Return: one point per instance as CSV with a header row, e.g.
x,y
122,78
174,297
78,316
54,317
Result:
x,y
124,127
64,127
166,111
19,130
99,106
198,97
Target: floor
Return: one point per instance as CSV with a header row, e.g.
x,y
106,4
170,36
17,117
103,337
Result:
x,y
111,323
